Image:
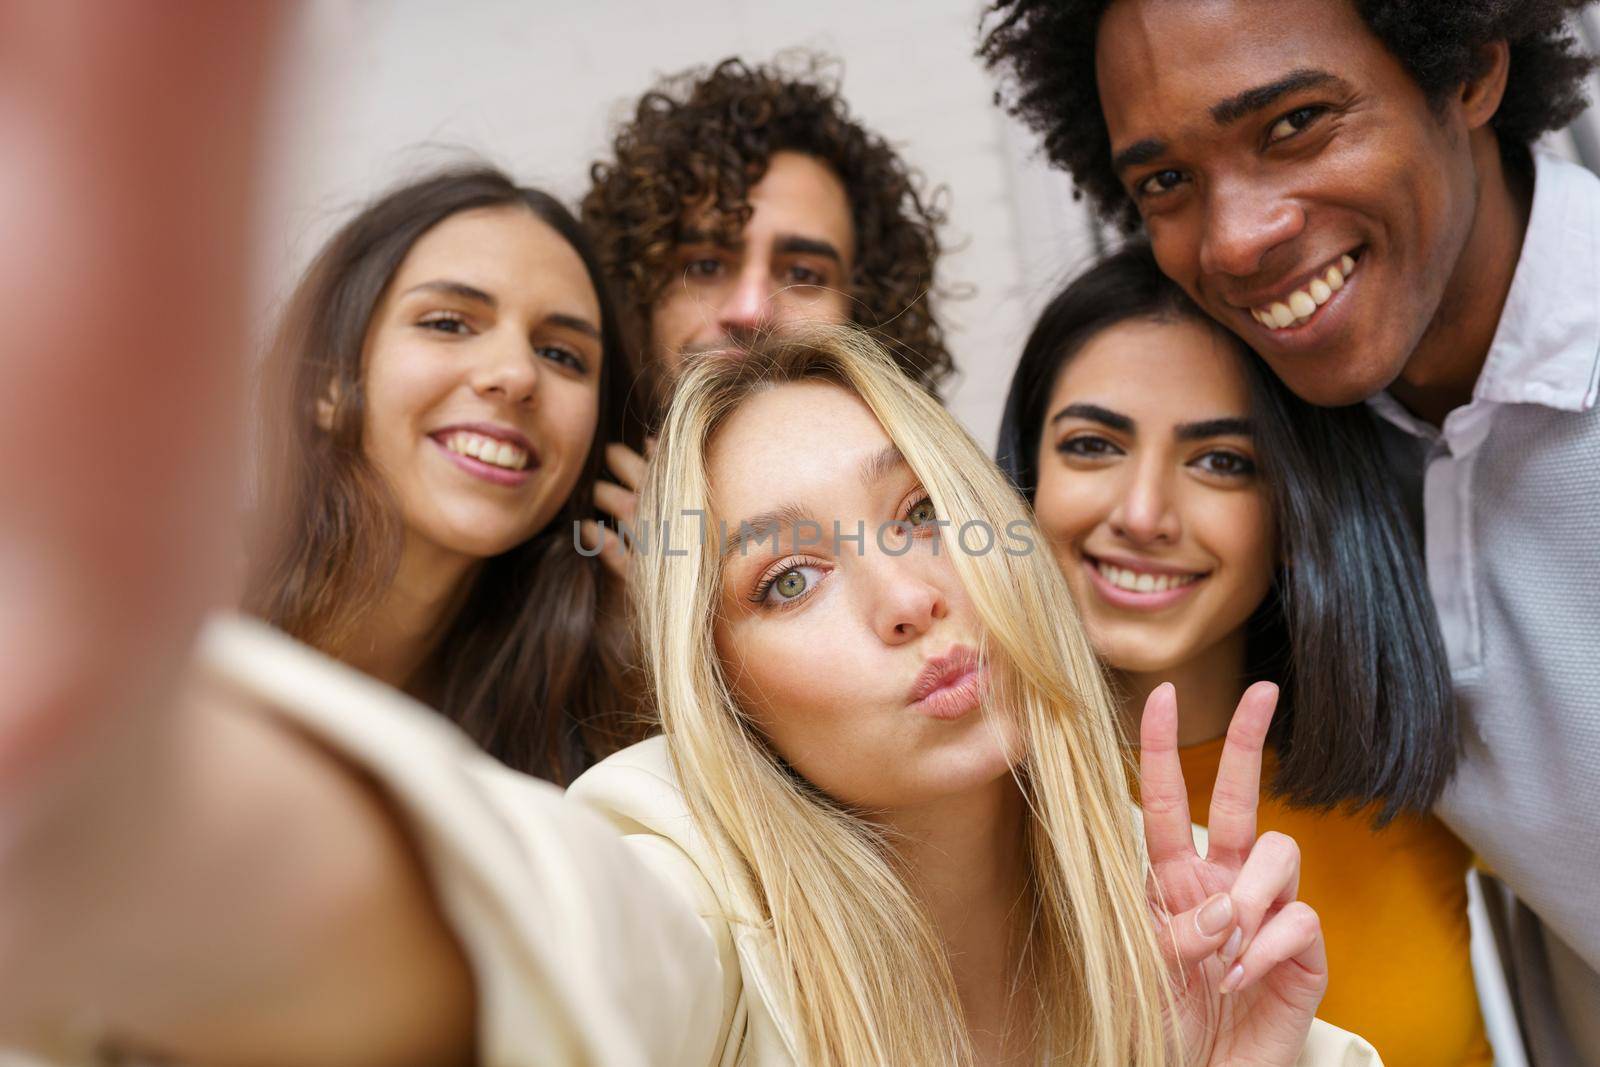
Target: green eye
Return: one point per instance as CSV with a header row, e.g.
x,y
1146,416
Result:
x,y
790,584
922,513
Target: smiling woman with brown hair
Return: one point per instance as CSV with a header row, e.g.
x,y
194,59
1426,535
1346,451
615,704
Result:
x,y
443,387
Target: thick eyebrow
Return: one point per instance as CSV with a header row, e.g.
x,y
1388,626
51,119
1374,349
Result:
x,y
455,288
758,528
794,244
1139,152
1225,427
1234,108
575,323
1095,413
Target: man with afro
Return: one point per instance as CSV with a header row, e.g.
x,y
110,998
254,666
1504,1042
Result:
x,y
1349,186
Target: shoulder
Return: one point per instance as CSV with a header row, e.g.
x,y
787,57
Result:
x,y
581,953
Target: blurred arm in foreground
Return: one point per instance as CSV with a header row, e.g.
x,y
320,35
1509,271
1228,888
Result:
x,y
167,858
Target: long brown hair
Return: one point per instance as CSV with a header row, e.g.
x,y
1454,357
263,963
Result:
x,y
532,665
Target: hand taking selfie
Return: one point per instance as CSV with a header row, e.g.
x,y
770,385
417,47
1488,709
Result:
x,y
1247,958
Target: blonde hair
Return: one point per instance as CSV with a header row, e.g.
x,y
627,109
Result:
x,y
868,976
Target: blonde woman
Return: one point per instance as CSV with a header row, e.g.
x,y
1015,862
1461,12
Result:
x,y
886,824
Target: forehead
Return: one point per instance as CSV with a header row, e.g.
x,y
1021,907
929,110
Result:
x,y
769,452
508,252
799,195
1162,63
1175,371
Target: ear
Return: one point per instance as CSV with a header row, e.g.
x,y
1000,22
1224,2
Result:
x,y
1481,94
327,404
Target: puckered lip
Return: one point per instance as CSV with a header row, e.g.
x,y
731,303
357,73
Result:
x,y
1280,291
494,430
943,670
1145,566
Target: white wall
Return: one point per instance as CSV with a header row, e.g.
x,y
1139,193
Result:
x,y
381,89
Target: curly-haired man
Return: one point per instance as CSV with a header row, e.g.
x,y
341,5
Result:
x,y
1348,185
746,196
743,198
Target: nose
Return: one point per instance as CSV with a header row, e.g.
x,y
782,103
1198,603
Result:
x,y
905,602
746,309
508,370
1145,514
1242,225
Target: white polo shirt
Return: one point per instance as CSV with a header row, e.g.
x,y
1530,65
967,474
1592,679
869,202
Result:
x,y
1509,488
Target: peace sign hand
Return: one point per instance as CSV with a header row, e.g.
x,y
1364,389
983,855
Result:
x,y
1247,959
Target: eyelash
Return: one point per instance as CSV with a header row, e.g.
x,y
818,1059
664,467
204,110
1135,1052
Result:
x,y
1110,448
461,327
794,563
1313,112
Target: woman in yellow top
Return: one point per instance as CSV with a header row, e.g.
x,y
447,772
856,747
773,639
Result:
x,y
1215,531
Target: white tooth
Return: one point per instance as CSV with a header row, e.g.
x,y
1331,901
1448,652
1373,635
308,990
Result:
x,y
1334,278
504,455
1162,584
1302,305
1146,583
1347,264
521,460
474,446
1281,315
453,443
1320,291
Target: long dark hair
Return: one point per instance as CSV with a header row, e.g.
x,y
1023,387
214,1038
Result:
x,y
1349,632
533,664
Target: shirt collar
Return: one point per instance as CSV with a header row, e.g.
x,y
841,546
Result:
x,y
1546,349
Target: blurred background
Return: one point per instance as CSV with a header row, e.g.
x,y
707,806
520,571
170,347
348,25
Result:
x,y
378,90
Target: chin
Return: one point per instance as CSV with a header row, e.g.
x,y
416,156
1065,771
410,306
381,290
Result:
x,y
1334,381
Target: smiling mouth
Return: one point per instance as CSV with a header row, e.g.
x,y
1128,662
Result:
x,y
485,449
1141,581
1298,308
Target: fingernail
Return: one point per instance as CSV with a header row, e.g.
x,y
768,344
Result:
x,y
1231,949
1214,918
1231,982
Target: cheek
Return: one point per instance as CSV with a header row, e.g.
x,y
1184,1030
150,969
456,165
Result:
x,y
1242,533
797,680
568,416
400,386
1066,507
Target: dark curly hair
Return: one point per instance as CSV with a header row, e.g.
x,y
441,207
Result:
x,y
1046,49
705,137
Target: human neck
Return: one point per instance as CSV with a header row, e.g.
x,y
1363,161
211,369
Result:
x,y
397,636
1442,372
967,866
1208,686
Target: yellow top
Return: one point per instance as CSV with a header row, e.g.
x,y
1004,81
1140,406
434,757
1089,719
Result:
x,y
1393,905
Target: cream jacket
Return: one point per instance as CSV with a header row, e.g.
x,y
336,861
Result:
x,y
606,932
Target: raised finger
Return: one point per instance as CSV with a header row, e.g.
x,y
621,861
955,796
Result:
x,y
1237,792
1167,830
626,464
1292,940
621,504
